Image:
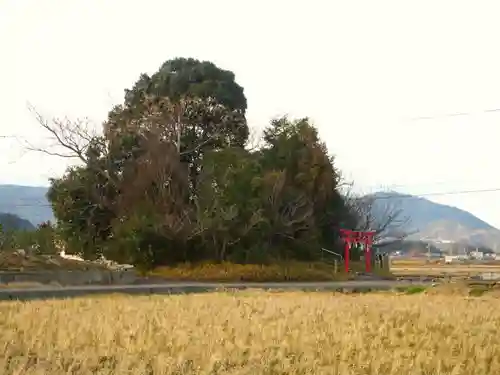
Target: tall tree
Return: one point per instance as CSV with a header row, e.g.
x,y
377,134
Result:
x,y
199,103
194,125
229,205
294,148
186,109
188,77
139,183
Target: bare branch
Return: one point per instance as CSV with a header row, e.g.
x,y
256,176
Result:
x,y
254,141
72,136
386,220
196,148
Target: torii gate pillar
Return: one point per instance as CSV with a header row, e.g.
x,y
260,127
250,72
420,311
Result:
x,y
352,237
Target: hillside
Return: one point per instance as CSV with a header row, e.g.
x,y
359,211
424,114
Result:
x,y
438,222
14,222
27,202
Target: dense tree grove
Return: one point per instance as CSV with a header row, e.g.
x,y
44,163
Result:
x,y
170,179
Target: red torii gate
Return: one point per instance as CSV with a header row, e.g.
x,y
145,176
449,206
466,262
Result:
x,y
353,237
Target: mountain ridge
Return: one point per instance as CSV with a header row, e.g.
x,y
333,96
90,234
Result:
x,y
429,211
10,221
27,202
436,221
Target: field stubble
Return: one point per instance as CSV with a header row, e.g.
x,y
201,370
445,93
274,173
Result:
x,y
253,333
420,268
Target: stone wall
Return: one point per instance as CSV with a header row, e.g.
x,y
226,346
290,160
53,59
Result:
x,y
73,277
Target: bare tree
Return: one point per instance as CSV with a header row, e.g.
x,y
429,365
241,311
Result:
x,y
168,119
385,217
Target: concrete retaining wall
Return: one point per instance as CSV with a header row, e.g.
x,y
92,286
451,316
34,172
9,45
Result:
x,y
66,277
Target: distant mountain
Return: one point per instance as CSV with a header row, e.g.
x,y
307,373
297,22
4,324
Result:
x,y
437,222
27,202
14,222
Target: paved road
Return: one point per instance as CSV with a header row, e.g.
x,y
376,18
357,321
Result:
x,y
194,287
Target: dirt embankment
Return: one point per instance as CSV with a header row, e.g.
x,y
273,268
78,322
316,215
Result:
x,y
22,261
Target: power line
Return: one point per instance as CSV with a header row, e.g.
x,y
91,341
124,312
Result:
x,y
25,137
457,114
15,205
388,196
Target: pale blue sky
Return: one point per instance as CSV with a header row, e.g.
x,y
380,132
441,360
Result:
x,y
360,69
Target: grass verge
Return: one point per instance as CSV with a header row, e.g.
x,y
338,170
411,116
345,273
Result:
x,y
231,272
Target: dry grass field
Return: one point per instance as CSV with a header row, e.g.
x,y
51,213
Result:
x,y
420,267
253,333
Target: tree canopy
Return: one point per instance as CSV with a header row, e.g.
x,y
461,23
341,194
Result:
x,y
171,181
183,77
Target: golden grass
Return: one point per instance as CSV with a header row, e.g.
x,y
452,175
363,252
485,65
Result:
x,y
414,262
420,268
253,333
286,271
227,272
